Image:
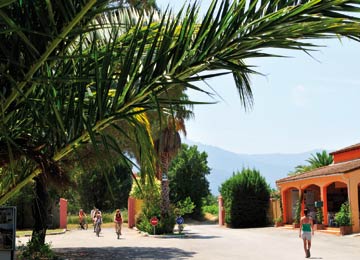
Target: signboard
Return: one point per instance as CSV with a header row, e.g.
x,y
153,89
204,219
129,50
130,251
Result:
x,y
7,228
179,220
319,204
154,221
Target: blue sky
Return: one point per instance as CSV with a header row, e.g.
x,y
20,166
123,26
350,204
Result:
x,y
302,103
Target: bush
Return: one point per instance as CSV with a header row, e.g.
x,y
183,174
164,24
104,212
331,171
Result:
x,y
246,199
150,194
210,205
343,217
298,211
212,209
34,250
184,207
151,208
319,216
278,220
164,226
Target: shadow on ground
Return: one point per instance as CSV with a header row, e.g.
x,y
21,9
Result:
x,y
115,253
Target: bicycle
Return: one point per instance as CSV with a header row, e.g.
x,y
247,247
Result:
x,y
118,229
83,224
97,228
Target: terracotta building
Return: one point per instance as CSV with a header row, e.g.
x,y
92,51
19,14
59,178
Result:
x,y
333,185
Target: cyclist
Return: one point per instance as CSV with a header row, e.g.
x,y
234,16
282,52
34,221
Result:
x,y
82,218
92,214
98,222
118,222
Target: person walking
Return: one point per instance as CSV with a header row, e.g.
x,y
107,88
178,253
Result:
x,y
307,230
118,222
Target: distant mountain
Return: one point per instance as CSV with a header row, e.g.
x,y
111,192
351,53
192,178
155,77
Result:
x,y
272,166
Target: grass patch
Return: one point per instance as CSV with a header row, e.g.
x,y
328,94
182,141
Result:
x,y
28,232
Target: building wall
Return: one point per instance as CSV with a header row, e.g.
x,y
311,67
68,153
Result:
x,y
351,180
354,186
346,156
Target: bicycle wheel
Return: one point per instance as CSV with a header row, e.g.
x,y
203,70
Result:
x,y
97,229
118,230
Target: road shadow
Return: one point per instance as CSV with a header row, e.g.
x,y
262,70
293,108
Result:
x,y
115,253
196,236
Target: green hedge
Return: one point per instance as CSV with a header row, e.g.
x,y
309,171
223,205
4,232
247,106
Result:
x,y
246,199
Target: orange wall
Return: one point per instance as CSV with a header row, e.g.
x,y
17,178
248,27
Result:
x,y
347,156
63,213
351,180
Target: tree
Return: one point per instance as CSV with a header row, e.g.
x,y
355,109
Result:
x,y
105,191
320,159
187,175
246,199
166,147
73,72
315,161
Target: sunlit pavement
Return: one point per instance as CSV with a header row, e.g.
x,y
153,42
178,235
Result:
x,y
203,242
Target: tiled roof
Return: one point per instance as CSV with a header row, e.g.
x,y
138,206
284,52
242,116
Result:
x,y
349,148
332,169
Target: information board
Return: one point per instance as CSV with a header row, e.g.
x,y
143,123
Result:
x,y
7,228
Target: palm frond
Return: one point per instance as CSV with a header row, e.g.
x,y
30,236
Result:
x,y
95,73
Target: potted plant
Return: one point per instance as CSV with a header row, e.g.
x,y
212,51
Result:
x,y
319,219
278,222
343,219
296,223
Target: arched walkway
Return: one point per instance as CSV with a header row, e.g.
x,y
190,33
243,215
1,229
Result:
x,y
337,194
289,200
332,194
311,194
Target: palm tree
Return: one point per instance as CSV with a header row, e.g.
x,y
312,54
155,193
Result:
x,y
167,146
320,159
71,70
315,161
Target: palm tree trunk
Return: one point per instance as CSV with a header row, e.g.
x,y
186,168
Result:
x,y
40,211
165,198
165,190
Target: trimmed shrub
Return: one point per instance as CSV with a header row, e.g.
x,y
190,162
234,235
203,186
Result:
x,y
246,199
212,209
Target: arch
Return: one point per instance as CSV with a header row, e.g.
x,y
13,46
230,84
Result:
x,y
337,194
312,193
289,198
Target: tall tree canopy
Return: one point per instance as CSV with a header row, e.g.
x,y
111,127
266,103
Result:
x,y
187,175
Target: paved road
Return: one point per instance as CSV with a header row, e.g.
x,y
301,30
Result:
x,y
204,242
